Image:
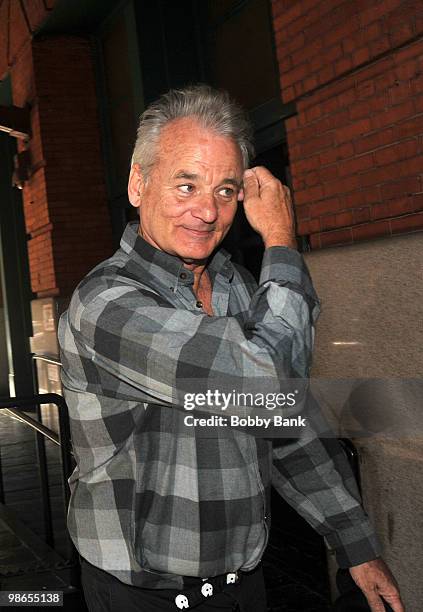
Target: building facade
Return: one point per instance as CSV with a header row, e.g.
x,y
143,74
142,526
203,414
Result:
x,y
335,92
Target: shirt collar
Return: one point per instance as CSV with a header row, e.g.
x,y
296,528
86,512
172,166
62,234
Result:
x,y
168,268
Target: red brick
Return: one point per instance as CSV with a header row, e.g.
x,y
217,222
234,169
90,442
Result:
x,y
374,141
400,92
354,200
303,227
385,210
311,178
288,93
286,16
343,185
326,74
409,52
407,70
360,56
329,105
376,11
417,84
315,241
396,152
307,53
343,65
341,152
417,203
342,219
328,222
309,195
361,215
355,165
400,206
310,83
333,53
418,104
393,115
354,130
408,128
347,97
314,145
371,194
302,212
376,176
314,226
371,230
313,113
379,46
316,63
399,187
305,165
408,223
350,43
328,205
285,61
299,89
328,173
296,74
343,236
293,44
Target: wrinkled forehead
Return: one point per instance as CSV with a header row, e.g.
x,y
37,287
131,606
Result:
x,y
186,146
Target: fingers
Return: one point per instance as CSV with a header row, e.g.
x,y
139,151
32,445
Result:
x,y
397,606
251,186
263,175
374,601
378,585
258,178
394,600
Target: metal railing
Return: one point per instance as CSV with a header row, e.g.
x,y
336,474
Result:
x,y
15,406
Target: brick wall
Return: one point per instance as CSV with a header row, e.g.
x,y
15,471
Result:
x,y
355,70
65,199
18,21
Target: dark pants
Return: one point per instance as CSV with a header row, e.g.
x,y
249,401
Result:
x,y
105,593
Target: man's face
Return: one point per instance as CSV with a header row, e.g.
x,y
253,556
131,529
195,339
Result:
x,y
189,200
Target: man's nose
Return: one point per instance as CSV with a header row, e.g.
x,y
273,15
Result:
x,y
205,208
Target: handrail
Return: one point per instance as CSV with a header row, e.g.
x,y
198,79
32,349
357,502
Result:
x,y
14,405
42,429
64,430
47,359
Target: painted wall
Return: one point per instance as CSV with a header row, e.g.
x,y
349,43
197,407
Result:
x,y
371,327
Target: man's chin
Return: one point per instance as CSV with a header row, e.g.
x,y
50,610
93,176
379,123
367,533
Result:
x,y
195,255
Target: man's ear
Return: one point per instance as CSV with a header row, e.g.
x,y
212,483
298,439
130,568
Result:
x,y
135,185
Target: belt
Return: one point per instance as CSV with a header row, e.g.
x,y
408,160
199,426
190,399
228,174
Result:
x,y
206,587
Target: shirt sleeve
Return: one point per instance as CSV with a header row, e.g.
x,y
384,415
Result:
x,y
313,475
146,349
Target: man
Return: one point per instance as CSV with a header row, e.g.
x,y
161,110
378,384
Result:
x,y
165,519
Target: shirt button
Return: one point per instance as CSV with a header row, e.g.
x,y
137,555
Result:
x,y
199,304
183,275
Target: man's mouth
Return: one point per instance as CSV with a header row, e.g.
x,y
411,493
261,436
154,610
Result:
x,y
198,232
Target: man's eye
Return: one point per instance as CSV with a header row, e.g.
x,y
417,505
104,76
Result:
x,y
186,188
227,192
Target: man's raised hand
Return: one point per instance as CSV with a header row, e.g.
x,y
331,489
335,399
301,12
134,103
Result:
x,y
268,208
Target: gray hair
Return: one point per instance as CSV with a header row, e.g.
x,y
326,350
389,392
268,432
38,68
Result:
x,y
213,109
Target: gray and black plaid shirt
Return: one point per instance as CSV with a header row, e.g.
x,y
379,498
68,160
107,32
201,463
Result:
x,y
151,500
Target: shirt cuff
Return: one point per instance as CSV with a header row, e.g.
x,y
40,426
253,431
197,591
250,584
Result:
x,y
287,267
354,545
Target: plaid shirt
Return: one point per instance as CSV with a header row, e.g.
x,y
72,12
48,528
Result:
x,y
151,500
